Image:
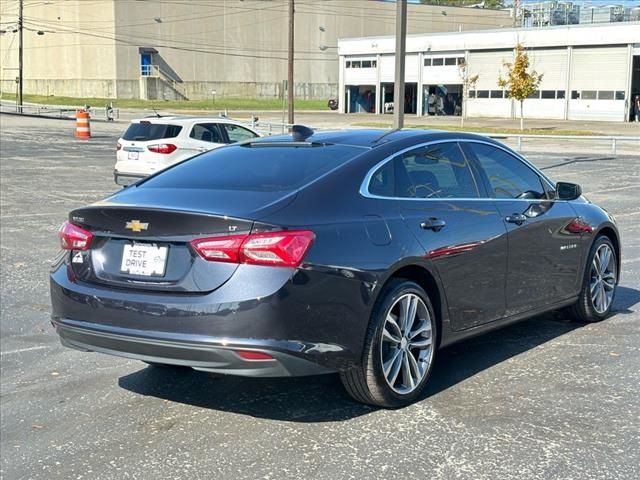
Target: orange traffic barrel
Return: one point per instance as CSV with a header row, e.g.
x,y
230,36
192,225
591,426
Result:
x,y
83,131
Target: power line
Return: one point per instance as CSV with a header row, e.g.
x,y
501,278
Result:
x,y
140,39
182,48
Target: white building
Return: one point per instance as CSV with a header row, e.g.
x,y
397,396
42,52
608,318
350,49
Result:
x,y
591,72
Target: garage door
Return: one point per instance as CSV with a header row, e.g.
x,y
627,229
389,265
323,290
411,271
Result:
x,y
388,68
552,64
598,83
488,66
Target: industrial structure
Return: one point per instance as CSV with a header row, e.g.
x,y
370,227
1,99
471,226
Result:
x,y
548,13
590,72
170,49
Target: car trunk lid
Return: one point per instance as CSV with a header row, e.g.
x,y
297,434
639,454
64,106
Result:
x,y
149,248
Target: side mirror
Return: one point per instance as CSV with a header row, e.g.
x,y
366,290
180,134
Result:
x,y
567,191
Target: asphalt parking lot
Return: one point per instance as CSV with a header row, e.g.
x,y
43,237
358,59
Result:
x,y
541,399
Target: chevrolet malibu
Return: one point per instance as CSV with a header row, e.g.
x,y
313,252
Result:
x,y
357,252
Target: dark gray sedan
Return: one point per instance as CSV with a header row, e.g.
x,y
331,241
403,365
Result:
x,y
359,252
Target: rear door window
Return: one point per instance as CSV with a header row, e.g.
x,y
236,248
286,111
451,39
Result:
x,y
207,132
236,133
144,131
434,171
254,168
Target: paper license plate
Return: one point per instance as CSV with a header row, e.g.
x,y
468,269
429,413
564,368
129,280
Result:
x,y
133,155
144,259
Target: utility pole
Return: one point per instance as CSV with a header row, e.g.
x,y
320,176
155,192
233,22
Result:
x,y
20,76
290,61
401,41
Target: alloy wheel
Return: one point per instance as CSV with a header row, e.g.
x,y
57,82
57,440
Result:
x,y
406,344
603,278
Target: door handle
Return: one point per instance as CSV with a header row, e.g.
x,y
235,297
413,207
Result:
x,y
516,218
434,224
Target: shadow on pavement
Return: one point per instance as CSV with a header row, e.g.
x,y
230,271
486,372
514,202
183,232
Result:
x,y
322,398
625,299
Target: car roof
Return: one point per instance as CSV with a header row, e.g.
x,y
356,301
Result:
x,y
371,138
184,119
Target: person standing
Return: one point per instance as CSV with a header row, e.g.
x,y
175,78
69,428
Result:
x,y
636,108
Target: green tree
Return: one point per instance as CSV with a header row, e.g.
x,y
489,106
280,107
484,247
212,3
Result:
x,y
519,81
463,3
468,83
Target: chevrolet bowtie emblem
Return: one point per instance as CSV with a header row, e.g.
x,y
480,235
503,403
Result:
x,y
136,226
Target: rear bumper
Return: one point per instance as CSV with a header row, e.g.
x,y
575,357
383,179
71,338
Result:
x,y
309,323
125,179
207,354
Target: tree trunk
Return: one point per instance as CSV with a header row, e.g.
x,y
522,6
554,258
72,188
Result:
x,y
521,115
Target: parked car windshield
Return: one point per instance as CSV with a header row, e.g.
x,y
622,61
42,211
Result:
x,y
263,168
144,131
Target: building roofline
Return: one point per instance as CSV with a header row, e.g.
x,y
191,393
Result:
x,y
559,35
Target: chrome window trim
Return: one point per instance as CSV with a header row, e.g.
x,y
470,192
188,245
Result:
x,y
364,186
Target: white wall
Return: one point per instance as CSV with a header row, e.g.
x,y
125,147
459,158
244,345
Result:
x,y
612,110
489,107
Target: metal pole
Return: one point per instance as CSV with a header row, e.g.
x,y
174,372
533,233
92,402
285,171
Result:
x,y
20,77
290,61
401,40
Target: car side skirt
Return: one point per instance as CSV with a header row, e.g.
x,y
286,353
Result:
x,y
450,337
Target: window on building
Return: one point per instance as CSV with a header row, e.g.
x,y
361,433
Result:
x,y
449,61
374,63
535,94
589,94
575,95
427,62
605,95
548,94
620,95
482,93
437,62
460,60
348,64
560,94
497,93
366,64
472,94
355,64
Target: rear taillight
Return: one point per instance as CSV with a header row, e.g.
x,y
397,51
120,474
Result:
x,y
283,249
165,148
73,237
118,146
220,249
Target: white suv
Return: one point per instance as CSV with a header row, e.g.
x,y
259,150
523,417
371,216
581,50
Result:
x,y
151,144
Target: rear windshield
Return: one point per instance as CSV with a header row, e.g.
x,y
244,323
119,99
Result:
x,y
144,131
265,169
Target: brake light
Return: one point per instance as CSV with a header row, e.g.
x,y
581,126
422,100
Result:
x,y
252,355
283,249
118,146
164,148
220,249
73,237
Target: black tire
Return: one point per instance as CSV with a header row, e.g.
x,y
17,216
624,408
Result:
x,y
584,309
367,382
